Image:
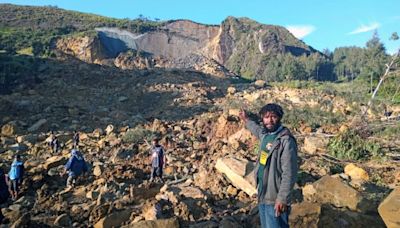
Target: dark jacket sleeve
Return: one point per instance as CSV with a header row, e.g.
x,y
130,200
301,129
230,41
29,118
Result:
x,y
289,170
254,128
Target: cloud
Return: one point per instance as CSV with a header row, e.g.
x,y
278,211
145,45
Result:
x,y
365,28
300,31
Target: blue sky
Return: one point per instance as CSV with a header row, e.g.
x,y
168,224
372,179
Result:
x,y
319,23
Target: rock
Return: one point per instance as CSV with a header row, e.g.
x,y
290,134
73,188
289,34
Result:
x,y
356,173
160,223
151,211
251,97
389,209
109,129
9,129
122,99
54,161
40,125
169,170
23,221
342,217
97,132
97,171
333,191
192,192
260,83
232,190
32,138
231,90
18,147
63,221
239,172
314,144
233,112
116,219
305,214
122,155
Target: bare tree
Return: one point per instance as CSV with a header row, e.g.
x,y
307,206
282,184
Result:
x,y
389,68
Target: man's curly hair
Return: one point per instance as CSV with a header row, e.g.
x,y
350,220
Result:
x,y
272,107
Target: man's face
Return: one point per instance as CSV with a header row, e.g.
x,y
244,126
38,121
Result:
x,y
271,120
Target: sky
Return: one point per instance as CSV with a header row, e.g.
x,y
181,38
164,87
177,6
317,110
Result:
x,y
319,23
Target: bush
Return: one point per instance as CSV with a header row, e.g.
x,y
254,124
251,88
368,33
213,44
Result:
x,y
138,135
350,145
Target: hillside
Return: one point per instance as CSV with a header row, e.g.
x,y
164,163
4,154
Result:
x,y
239,46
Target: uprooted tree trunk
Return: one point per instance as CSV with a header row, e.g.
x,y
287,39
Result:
x,y
384,76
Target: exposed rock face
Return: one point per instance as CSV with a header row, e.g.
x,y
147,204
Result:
x,y
85,48
213,49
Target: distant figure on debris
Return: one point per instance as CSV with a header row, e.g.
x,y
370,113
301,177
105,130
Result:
x,y
4,191
16,176
157,159
75,166
276,167
75,139
54,144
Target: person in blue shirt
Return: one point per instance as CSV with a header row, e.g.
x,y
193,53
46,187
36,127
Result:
x,y
16,176
75,166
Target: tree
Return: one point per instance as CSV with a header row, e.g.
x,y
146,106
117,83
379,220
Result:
x,y
375,55
394,36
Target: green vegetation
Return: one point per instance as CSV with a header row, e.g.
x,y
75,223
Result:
x,y
350,145
31,27
137,135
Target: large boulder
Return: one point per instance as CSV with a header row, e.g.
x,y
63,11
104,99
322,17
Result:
x,y
239,172
315,144
54,161
9,129
116,219
389,209
333,191
356,173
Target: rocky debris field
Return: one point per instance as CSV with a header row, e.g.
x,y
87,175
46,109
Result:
x,y
209,153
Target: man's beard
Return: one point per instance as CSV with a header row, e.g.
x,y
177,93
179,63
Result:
x,y
274,128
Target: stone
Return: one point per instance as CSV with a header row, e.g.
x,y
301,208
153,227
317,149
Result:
x,y
115,219
23,221
151,211
122,99
356,173
314,144
231,90
9,129
97,171
122,155
63,220
305,214
159,223
109,129
232,190
54,161
389,209
333,191
260,83
40,125
192,192
239,172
